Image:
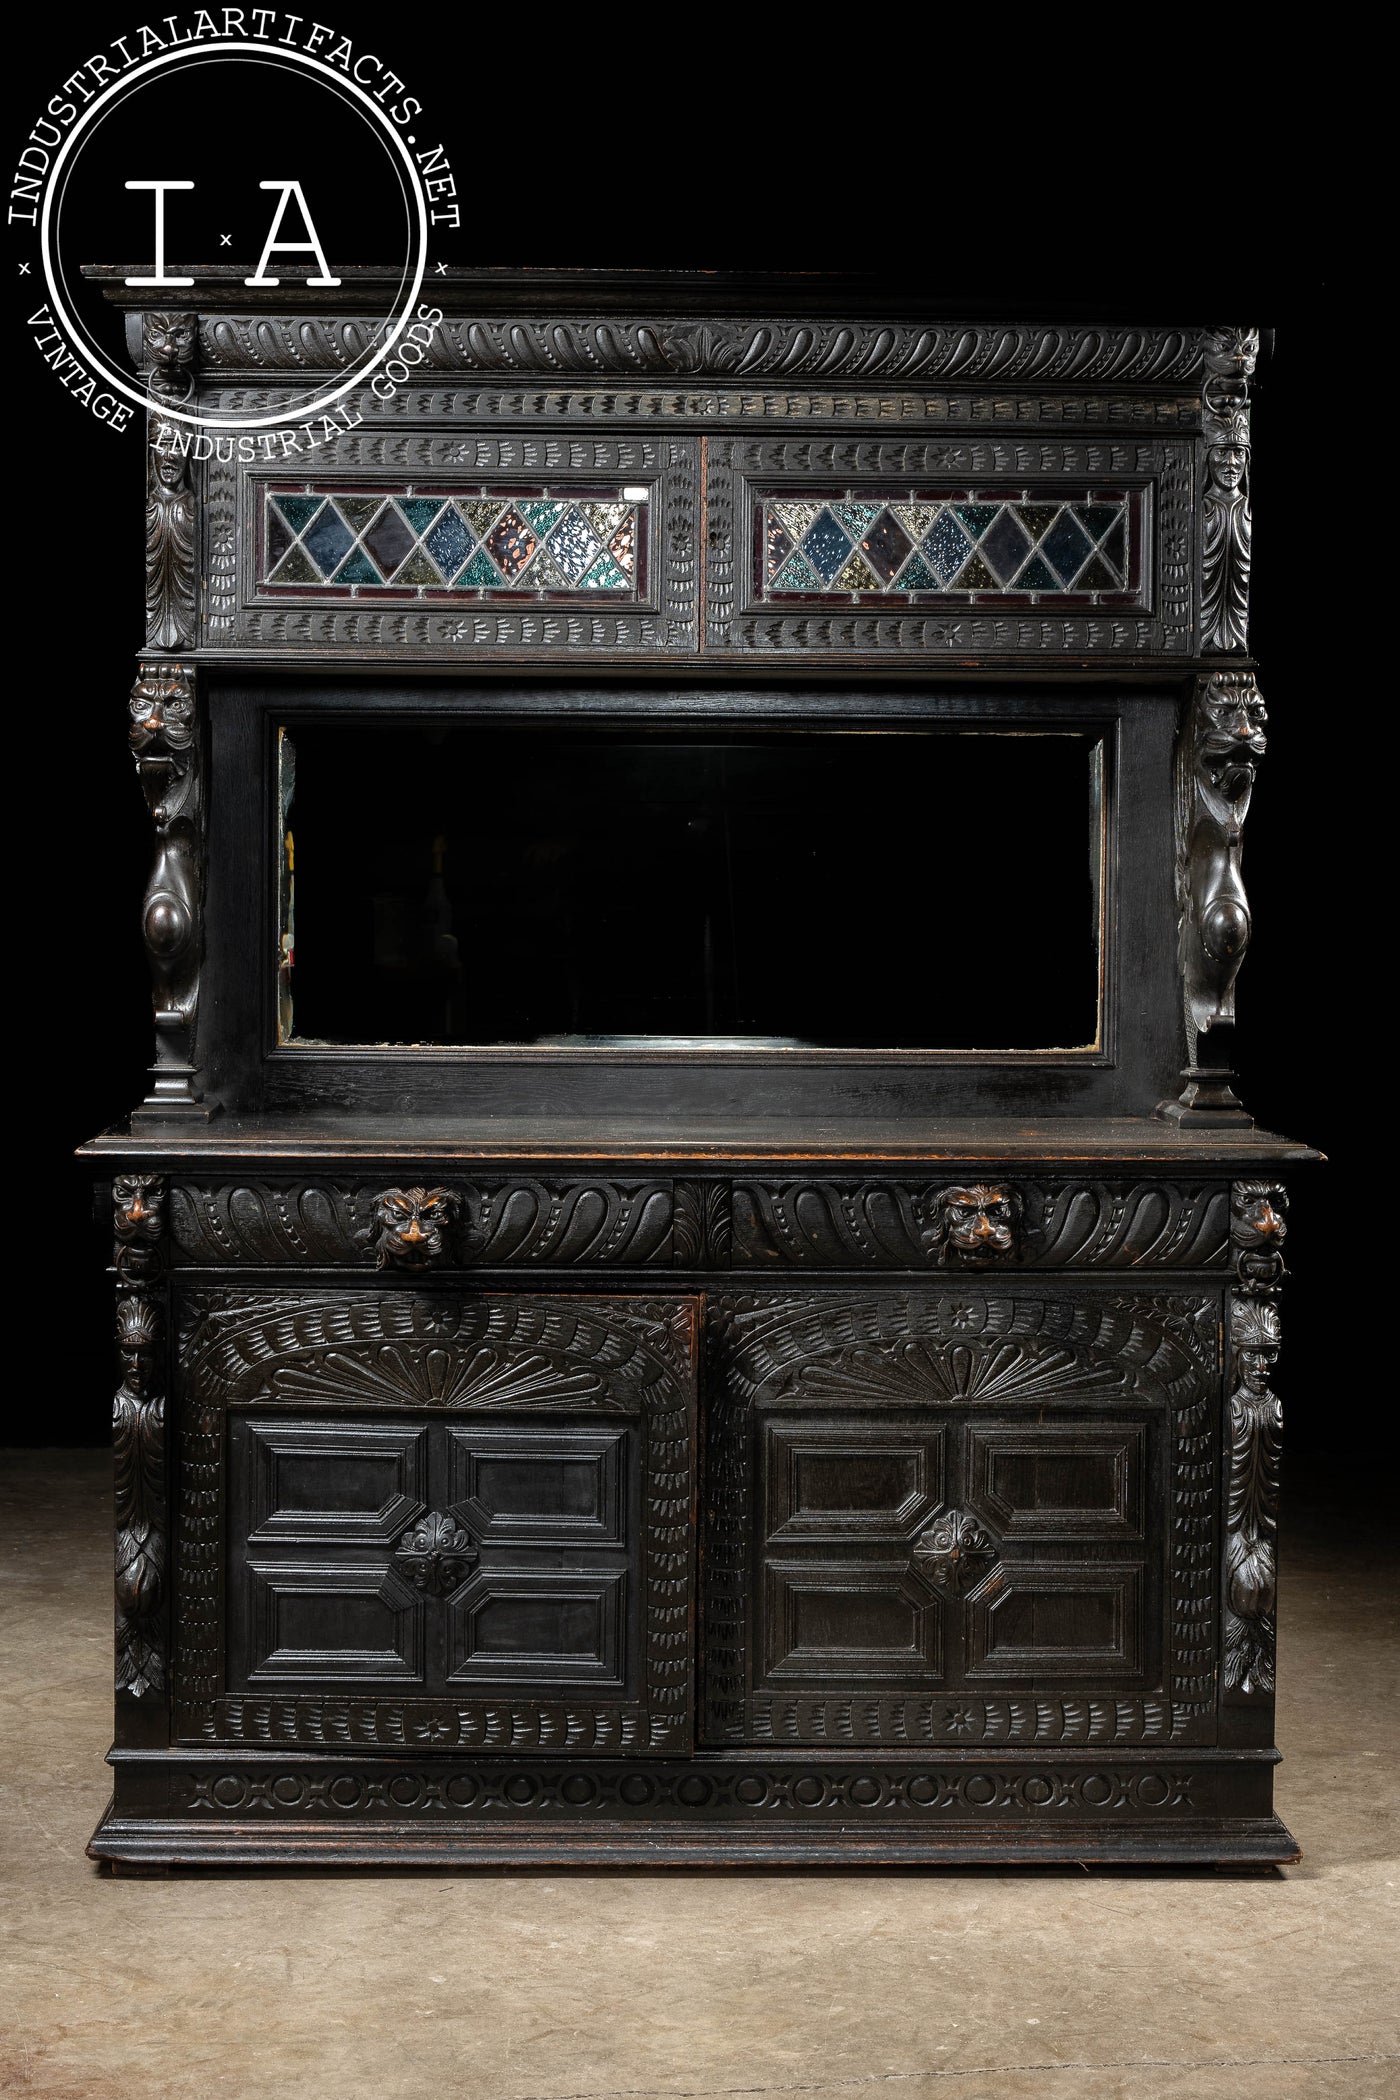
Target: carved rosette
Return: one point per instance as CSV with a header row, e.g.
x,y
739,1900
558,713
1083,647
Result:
x,y
1218,753
1257,1232
168,341
1230,355
435,1554
138,1437
409,1227
953,1553
164,736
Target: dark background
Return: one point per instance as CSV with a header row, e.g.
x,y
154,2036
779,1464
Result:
x,y
1209,237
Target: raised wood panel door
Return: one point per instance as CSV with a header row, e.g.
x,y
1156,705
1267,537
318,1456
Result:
x,y
960,1517
447,1520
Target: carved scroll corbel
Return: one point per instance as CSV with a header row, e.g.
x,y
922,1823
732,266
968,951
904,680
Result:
x,y
165,744
168,345
1218,754
138,1440
1230,356
1255,1421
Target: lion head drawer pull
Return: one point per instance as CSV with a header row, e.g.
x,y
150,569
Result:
x,y
953,1552
973,1222
409,1226
435,1554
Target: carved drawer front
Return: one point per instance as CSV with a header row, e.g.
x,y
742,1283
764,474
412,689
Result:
x,y
478,541
969,1517
981,543
423,1519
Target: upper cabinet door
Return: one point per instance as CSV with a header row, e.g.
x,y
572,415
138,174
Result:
x,y
974,545
962,1518
440,541
450,1522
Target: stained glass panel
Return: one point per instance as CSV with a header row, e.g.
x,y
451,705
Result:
x,y
334,539
908,543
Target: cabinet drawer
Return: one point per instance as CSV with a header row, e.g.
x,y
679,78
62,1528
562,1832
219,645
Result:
x,y
985,544
961,1515
419,1518
484,542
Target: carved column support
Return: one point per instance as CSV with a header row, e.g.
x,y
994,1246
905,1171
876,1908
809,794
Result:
x,y
1255,1421
168,350
138,1439
1218,752
164,735
1230,355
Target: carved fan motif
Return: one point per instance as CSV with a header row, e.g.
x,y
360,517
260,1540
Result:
x,y
433,1377
926,1372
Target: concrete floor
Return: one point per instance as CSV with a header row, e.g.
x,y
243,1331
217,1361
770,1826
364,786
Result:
x,y
943,1985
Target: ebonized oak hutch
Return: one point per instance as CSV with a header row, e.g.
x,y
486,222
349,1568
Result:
x,y
693,1284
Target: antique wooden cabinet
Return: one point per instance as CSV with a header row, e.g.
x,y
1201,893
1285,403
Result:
x,y
693,1283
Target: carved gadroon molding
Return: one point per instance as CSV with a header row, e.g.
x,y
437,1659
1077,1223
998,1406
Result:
x,y
409,1227
435,1554
168,345
953,1553
164,735
1229,357
1255,1423
576,347
138,1437
138,1225
1217,759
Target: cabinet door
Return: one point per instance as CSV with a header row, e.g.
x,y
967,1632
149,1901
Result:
x,y
420,1518
961,1517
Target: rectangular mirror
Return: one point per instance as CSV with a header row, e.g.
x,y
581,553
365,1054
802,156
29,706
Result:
x,y
870,888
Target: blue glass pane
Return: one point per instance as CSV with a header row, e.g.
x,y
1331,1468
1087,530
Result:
x,y
1004,546
449,543
946,547
1065,546
826,546
574,545
329,540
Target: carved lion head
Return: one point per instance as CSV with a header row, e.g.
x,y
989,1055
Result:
x,y
162,709
973,1222
409,1226
1230,735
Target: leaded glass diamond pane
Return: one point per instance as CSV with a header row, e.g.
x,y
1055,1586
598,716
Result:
x,y
857,575
1004,546
388,539
797,517
298,510
574,544
358,569
975,577
885,545
623,544
510,543
277,539
296,568
480,574
797,575
946,547
605,575
328,540
976,517
449,542
1037,576
777,545
826,546
1066,546
420,510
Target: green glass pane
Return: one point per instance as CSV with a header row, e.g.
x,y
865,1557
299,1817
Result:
x,y
976,517
357,568
298,510
1037,576
417,569
540,514
797,574
1098,577
296,568
420,510
480,574
976,576
605,575
358,510
916,575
